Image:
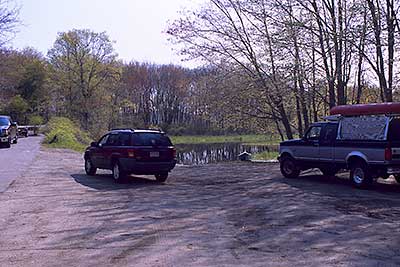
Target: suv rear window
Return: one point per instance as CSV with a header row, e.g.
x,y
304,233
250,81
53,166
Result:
x,y
151,139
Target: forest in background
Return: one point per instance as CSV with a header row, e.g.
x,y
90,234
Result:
x,y
269,66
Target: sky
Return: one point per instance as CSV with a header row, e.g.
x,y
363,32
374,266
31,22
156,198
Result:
x,y
136,26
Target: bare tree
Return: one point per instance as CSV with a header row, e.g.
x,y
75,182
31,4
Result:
x,y
8,21
240,32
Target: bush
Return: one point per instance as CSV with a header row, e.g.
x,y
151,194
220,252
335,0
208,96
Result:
x,y
36,120
63,133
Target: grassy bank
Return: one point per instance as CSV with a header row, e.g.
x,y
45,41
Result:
x,y
246,139
265,155
63,133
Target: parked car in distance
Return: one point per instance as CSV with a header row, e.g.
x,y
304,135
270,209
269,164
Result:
x,y
8,131
23,131
33,130
129,151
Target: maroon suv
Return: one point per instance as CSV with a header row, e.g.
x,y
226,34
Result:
x,y
128,151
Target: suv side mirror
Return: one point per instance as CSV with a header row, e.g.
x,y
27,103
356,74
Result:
x,y
94,144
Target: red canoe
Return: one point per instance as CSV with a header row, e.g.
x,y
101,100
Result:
x,y
367,109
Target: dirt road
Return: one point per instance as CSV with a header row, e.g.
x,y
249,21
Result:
x,y
16,159
215,215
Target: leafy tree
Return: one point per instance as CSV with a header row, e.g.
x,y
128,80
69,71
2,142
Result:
x,y
24,73
83,63
36,120
17,108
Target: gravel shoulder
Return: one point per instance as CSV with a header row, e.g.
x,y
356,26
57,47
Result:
x,y
239,214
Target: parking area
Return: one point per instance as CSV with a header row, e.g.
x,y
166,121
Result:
x,y
235,214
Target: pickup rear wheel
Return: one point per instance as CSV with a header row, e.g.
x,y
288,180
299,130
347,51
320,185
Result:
x,y
289,169
360,176
89,168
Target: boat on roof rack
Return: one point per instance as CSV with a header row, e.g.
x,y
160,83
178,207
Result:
x,y
392,108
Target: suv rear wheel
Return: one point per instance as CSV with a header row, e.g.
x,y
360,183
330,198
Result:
x,y
161,177
89,168
118,174
289,168
360,176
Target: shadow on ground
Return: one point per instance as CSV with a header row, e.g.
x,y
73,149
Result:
x,y
106,182
236,215
340,184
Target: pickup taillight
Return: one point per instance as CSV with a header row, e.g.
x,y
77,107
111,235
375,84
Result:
x,y
388,153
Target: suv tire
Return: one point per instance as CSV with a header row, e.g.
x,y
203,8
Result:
x,y
161,177
289,168
360,176
8,145
89,168
118,174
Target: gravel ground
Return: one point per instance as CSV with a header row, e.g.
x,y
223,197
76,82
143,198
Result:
x,y
237,214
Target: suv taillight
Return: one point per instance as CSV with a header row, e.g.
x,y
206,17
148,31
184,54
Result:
x,y
388,153
131,153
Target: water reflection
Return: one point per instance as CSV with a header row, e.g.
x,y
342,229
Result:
x,y
196,154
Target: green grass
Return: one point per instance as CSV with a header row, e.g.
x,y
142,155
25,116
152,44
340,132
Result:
x,y
63,133
209,139
265,155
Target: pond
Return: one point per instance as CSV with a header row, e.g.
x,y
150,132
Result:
x,y
196,154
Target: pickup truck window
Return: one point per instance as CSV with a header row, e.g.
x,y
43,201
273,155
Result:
x,y
4,121
330,134
313,133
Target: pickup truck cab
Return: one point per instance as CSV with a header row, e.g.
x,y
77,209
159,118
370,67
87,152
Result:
x,y
355,138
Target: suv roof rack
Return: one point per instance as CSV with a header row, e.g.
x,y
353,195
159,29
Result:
x,y
137,129
117,129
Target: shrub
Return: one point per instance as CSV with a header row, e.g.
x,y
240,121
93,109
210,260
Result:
x,y
61,132
36,120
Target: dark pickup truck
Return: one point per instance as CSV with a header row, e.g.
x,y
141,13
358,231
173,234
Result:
x,y
8,131
367,145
